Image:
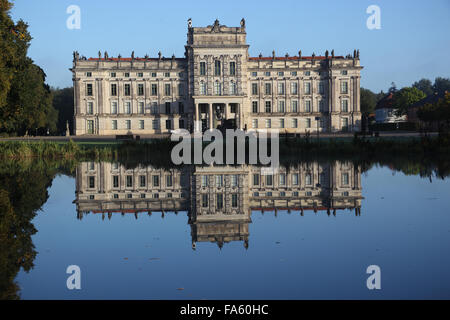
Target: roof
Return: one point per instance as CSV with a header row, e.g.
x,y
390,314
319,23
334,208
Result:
x,y
432,98
135,59
386,102
292,58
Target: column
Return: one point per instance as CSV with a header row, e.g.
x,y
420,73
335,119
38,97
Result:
x,y
210,116
197,118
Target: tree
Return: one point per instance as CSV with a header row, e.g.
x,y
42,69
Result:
x,y
441,85
424,85
368,101
406,97
63,103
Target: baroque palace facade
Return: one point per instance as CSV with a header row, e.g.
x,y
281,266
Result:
x,y
216,84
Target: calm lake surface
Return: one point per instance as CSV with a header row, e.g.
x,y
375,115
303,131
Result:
x,y
307,232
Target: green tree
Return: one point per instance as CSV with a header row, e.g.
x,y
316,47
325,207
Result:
x,y
424,85
368,101
63,103
441,85
405,97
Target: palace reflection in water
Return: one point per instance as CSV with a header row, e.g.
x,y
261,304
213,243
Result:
x,y
219,200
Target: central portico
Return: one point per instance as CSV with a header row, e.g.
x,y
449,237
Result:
x,y
218,112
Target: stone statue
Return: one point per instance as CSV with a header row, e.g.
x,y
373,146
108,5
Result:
x,y
67,129
189,23
99,54
300,54
216,25
357,53
332,53
242,23
159,55
132,55
273,54
326,54
119,56
260,55
106,55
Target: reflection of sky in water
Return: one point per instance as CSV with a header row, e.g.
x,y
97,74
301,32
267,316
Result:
x,y
404,228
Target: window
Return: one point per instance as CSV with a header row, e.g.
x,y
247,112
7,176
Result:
x,y
202,68
154,108
113,74
219,198
90,108
254,88
155,124
308,123
90,126
267,73
268,123
115,181
282,179
91,182
127,89
113,89
254,74
181,124
168,124
255,106
128,124
255,179
280,73
167,89
88,74
233,108
268,88
180,89
307,87
344,105
234,200
204,181
169,181
154,89
280,87
307,73
141,109
156,196
89,89
308,179
281,106
321,88
153,74
219,180
294,87
202,88
140,74
167,105
294,73
204,201
344,87
217,68
281,123
345,124
345,178
128,107
141,124
129,180
268,106
282,194
167,74
155,181
294,104
180,107
254,123
234,180
233,90
217,88
116,196
344,72
322,106
232,68
295,179
126,74
142,181
269,180
294,123
140,89
307,105
114,125
142,195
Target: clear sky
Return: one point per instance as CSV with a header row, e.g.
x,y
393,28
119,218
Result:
x,y
413,41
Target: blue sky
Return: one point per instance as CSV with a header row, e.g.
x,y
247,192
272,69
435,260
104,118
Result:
x,y
413,41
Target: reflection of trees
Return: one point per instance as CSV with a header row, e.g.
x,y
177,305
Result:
x,y
23,191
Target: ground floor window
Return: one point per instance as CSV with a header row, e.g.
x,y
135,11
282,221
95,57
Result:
x,y
168,124
90,126
141,124
255,123
128,124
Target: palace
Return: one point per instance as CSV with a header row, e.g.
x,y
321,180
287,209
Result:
x,y
216,85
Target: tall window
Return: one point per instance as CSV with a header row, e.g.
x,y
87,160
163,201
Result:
x,y
307,105
142,181
281,123
232,68
344,87
114,125
308,122
295,179
269,180
294,123
345,178
167,89
255,179
308,179
141,124
154,89
127,89
168,124
344,105
140,89
180,107
234,200
169,181
255,106
91,182
234,180
294,87
90,108
268,87
89,89
155,124
280,87
202,88
167,105
307,87
217,88
128,107
115,181
254,88
217,68
113,89
202,68
141,107
180,89
281,106
155,181
254,123
219,180
345,124
268,106
128,124
154,108
204,181
268,123
233,90
219,201
282,179
321,88
204,200
294,104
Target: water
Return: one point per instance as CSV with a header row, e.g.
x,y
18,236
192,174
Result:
x,y
262,246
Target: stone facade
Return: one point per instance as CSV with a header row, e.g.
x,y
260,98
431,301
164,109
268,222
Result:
x,y
216,84
219,200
